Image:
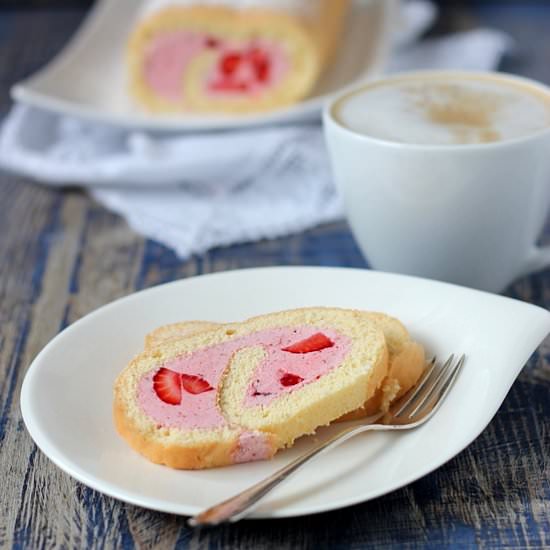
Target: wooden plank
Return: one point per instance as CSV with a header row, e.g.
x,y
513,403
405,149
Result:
x,y
80,274
24,245
109,258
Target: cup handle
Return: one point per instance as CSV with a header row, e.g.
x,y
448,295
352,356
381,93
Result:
x,y
537,259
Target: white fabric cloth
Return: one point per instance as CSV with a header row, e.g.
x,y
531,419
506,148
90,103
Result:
x,y
195,192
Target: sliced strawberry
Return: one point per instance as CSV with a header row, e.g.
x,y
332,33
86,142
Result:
x,y
260,62
289,379
262,71
195,384
316,342
229,63
167,386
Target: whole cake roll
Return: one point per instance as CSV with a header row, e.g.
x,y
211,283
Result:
x,y
233,56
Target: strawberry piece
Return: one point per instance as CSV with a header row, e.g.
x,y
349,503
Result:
x,y
167,386
289,379
316,342
262,71
195,384
229,63
211,42
260,62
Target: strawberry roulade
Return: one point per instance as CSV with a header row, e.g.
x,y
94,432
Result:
x,y
231,55
242,391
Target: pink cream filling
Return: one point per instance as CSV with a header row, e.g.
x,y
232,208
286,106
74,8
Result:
x,y
240,68
252,445
202,411
166,58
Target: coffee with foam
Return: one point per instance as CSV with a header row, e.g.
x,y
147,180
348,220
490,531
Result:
x,y
445,109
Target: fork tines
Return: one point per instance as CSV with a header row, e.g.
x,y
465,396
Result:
x,y
430,390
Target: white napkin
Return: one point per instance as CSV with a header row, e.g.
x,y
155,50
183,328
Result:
x,y
195,192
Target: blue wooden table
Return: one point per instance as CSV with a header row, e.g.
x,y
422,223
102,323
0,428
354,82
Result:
x,y
62,255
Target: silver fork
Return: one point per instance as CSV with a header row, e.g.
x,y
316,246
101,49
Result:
x,y
414,409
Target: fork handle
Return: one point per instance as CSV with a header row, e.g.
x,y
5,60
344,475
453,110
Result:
x,y
240,505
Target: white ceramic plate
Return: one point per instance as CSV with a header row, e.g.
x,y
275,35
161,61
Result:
x,y
88,78
67,392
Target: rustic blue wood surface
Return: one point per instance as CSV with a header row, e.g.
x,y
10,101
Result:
x,y
62,255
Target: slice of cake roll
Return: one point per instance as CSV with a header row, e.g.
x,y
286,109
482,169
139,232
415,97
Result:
x,y
242,391
406,358
232,56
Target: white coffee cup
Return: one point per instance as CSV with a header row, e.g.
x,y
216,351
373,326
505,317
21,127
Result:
x,y
469,214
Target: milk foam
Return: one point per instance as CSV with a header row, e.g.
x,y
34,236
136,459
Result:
x,y
445,110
